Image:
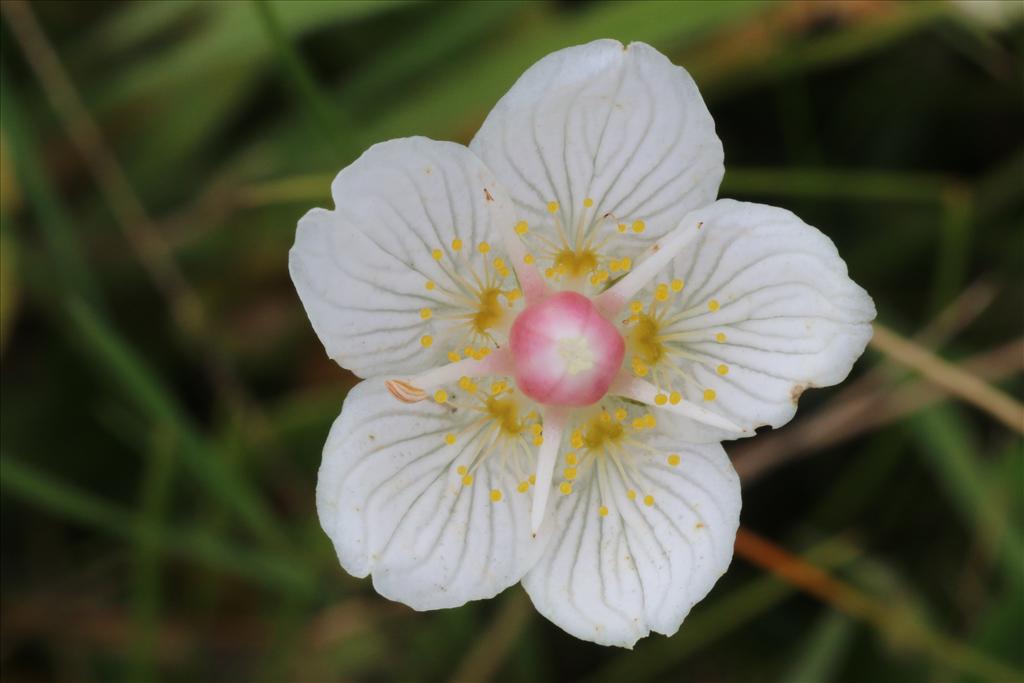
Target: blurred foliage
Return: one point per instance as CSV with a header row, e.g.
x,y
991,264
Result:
x,y
165,400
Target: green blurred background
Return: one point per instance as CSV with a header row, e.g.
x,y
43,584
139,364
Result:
x,y
165,401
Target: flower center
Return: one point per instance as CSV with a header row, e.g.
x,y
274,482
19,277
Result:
x,y
564,351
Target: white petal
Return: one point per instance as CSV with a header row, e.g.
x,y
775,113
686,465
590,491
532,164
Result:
x,y
361,270
391,499
612,579
620,125
791,316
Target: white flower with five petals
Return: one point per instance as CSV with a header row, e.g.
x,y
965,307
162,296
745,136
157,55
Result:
x,y
558,326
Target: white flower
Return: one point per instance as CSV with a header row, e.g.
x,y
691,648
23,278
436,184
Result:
x,y
562,312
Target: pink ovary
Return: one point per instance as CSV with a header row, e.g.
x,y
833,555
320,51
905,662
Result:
x,y
565,352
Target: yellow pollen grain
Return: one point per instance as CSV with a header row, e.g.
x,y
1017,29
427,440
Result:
x,y
661,399
639,423
603,511
677,285
622,227
621,414
720,337
570,473
713,305
673,459
522,228
577,439
661,292
523,486
536,429
565,487
457,244
484,247
461,469
426,340
709,394
648,500
437,254
650,421
528,259
588,202
449,439
533,479
636,307
430,284
723,369
552,206
495,495
605,417
675,397
425,313
570,458
467,480
638,226
631,494
499,264
626,263
453,356
538,440
440,395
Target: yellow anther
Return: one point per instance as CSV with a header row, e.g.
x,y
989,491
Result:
x,y
538,440
661,399
720,337
467,480
454,356
677,285
440,395
638,226
425,313
673,459
533,479
569,473
426,340
648,500
661,292
461,469
430,284
723,369
639,423
709,394
565,487
570,458
457,244
605,417
613,266
675,397
437,254
636,307
631,494
650,421
552,206
639,367
495,495
713,305
499,264
603,511
522,228
626,263
536,429
622,227
449,439
528,259
621,414
513,295
588,202
484,247
523,486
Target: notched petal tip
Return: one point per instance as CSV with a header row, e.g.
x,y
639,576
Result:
x,y
404,391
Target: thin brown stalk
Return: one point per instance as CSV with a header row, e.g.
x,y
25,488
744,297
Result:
x,y
895,623
950,377
488,653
